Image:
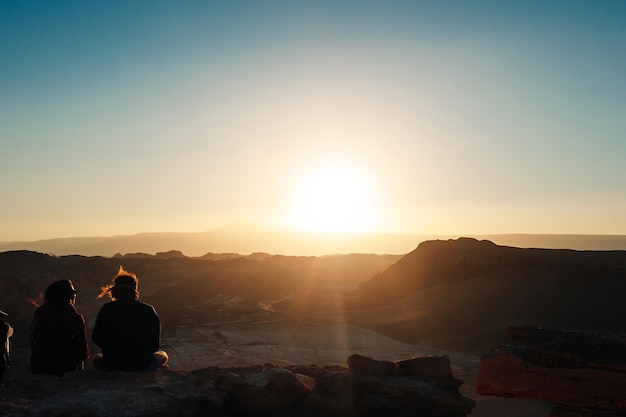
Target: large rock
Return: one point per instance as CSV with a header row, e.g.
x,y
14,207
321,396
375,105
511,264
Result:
x,y
436,367
270,390
579,371
359,364
559,411
251,391
382,388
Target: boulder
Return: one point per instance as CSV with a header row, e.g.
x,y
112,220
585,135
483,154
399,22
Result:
x,y
578,371
436,367
421,386
346,394
363,365
559,411
271,390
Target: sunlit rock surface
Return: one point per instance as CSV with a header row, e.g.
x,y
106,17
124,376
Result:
x,y
583,373
255,390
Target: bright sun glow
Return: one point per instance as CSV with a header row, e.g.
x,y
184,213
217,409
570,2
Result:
x,y
333,199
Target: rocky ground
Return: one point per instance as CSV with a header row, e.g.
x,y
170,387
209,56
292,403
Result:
x,y
243,343
260,338
253,341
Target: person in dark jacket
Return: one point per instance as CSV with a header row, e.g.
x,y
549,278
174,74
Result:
x,y
127,330
57,334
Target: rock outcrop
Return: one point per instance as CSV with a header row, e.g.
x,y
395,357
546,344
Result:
x,y
582,372
421,386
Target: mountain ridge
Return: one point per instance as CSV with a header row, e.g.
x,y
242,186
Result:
x,y
243,239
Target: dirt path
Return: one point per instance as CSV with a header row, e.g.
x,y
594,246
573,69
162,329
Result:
x,y
294,336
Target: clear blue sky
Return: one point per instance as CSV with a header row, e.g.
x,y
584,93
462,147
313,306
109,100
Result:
x,y
426,117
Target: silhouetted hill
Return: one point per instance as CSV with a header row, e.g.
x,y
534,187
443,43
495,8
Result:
x,y
465,291
442,262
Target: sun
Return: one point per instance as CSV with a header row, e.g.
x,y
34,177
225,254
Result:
x,y
333,198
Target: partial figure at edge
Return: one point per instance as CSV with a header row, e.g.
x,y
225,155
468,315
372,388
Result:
x,y
6,331
58,338
127,330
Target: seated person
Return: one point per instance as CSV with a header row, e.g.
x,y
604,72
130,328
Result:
x,y
127,330
57,334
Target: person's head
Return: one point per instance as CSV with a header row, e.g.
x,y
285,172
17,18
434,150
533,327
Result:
x,y
124,286
60,293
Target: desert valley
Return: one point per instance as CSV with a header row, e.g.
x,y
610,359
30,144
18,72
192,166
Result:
x,y
454,297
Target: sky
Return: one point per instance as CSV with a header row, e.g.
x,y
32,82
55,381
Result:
x,y
412,117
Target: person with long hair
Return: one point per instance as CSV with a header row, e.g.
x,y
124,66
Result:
x,y
127,330
58,339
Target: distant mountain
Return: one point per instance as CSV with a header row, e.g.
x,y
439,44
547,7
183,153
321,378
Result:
x,y
465,292
246,239
224,240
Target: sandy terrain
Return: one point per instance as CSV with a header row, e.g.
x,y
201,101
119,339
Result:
x,y
240,343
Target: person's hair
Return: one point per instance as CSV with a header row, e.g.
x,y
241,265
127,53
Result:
x,y
60,292
123,287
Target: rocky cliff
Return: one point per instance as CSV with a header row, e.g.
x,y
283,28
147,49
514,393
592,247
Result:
x,y
421,386
439,262
462,294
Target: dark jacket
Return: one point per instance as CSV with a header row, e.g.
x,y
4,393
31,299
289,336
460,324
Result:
x,y
57,339
128,332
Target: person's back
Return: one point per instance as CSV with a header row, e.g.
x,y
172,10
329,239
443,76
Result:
x,y
128,331
57,334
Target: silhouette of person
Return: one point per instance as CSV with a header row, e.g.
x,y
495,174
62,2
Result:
x,y
127,330
58,340
6,331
